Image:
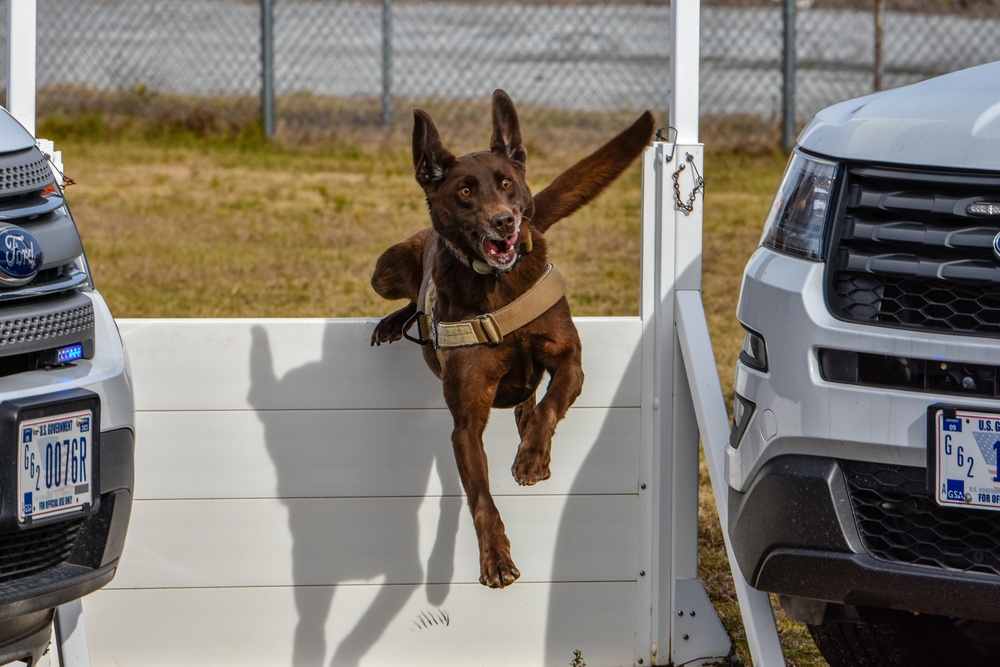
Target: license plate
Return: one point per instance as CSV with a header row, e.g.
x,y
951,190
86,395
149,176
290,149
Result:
x,y
55,464
962,450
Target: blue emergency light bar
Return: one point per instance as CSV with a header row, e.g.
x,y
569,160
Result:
x,y
69,354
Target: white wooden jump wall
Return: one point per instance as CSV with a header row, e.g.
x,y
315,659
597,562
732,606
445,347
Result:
x,y
297,501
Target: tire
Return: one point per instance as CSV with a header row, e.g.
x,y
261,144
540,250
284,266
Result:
x,y
899,639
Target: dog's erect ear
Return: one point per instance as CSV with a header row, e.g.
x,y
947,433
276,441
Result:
x,y
431,160
586,179
506,139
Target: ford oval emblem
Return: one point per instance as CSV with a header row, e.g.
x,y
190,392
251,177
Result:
x,y
996,246
20,256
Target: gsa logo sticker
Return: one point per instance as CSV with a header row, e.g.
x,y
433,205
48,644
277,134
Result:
x,y
956,489
20,256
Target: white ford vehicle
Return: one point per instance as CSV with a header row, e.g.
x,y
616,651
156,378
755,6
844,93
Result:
x,y
864,487
66,409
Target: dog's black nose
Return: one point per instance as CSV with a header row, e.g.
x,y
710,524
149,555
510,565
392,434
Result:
x,y
503,220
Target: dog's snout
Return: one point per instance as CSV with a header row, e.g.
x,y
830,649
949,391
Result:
x,y
503,220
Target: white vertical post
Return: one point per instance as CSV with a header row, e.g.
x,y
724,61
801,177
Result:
x,y
685,24
682,337
21,28
679,250
686,627
71,635
648,638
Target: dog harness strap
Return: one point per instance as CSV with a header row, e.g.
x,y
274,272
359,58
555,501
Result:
x,y
425,319
490,329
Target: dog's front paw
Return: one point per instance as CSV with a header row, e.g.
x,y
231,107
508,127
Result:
x,y
390,328
497,570
531,465
385,333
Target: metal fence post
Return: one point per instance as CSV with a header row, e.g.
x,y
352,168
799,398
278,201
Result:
x,y
386,62
267,65
879,63
788,77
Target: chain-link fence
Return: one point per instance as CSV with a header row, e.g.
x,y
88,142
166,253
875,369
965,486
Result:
x,y
340,64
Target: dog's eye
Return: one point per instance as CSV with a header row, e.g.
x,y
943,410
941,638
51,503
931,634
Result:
x,y
465,191
505,183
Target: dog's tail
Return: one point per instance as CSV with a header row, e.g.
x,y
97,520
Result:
x,y
586,179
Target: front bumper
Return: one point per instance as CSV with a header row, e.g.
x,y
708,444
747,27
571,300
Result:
x,y
64,560
802,524
817,528
70,558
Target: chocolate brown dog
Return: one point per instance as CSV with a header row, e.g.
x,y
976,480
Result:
x,y
482,292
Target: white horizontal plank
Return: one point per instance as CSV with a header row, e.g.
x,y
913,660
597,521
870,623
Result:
x,y
436,626
353,453
316,542
236,364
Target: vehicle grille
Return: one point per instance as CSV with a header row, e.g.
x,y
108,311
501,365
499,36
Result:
x,y
908,253
52,326
899,522
29,552
24,171
50,310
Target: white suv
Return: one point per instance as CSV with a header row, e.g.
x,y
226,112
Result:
x,y
862,465
66,409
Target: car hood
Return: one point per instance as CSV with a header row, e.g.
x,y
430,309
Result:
x,y
949,121
13,136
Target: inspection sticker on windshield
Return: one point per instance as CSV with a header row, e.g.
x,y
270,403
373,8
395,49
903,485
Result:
x,y
55,465
963,447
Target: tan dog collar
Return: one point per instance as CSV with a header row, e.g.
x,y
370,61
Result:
x,y
489,329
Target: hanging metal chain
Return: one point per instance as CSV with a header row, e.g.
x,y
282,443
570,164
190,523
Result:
x,y
699,184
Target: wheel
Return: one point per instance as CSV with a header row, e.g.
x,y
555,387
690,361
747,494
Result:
x,y
885,638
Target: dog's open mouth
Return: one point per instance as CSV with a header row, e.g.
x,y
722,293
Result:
x,y
501,253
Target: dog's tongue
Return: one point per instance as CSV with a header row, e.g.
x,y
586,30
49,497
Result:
x,y
496,248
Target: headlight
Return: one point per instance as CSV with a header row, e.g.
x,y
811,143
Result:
x,y
79,265
801,207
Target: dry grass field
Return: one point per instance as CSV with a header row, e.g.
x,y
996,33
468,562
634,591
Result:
x,y
182,222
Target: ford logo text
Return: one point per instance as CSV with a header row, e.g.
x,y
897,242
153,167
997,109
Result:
x,y
20,256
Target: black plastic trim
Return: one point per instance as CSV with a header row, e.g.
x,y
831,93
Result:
x,y
794,533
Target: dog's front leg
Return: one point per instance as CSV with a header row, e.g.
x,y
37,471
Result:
x,y
469,398
390,328
534,454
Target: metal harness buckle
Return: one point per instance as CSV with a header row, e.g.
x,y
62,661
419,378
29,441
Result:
x,y
492,331
415,317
